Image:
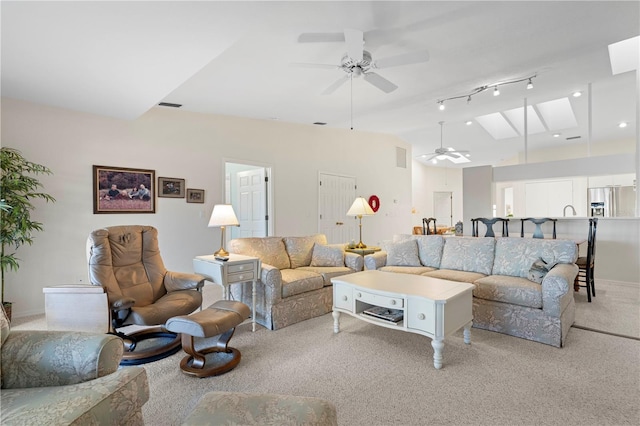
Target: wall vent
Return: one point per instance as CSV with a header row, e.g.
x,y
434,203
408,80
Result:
x,y
401,157
170,105
573,137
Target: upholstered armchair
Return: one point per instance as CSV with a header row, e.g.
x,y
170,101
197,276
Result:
x,y
63,377
126,262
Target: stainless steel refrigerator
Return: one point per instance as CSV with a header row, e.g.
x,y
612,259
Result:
x,y
612,201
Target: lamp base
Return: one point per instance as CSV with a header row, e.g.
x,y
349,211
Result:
x,y
361,245
221,253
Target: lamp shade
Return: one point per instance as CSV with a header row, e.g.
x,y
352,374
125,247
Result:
x,y
223,215
360,207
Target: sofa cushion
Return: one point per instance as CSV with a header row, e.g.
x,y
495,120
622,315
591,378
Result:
x,y
403,253
430,249
300,249
470,254
454,275
327,272
297,281
514,256
508,289
270,250
416,270
324,255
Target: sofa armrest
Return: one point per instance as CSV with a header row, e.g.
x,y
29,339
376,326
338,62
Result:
x,y
557,288
376,260
353,261
271,279
182,281
33,358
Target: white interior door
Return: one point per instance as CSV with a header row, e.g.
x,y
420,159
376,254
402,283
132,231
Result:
x,y
442,208
252,203
336,194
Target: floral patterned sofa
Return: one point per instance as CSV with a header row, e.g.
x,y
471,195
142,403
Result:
x,y
505,299
67,378
295,281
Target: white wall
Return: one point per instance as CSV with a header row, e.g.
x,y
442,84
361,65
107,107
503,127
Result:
x,y
192,146
427,180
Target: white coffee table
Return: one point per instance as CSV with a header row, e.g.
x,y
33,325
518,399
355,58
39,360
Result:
x,y
432,307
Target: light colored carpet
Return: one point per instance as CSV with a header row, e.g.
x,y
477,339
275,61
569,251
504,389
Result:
x,y
615,309
378,376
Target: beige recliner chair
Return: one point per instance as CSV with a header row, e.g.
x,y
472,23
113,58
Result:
x,y
126,262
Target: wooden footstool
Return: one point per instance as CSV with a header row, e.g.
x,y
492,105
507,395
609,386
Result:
x,y
211,329
236,408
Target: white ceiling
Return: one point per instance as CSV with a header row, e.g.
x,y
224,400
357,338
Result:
x,y
120,59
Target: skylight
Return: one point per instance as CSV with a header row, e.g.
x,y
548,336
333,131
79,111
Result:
x,y
557,114
624,55
497,126
516,117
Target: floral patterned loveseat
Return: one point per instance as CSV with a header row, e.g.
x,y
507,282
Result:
x,y
67,378
295,280
505,299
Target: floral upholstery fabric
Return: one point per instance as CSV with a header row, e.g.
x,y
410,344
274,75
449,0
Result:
x,y
415,270
504,300
296,281
430,249
270,250
300,249
67,378
403,253
286,295
515,290
5,326
115,399
323,255
514,256
57,358
231,408
471,254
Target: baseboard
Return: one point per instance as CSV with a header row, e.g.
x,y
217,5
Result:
x,y
22,314
619,283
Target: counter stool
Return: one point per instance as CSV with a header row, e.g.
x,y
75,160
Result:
x,y
211,329
236,408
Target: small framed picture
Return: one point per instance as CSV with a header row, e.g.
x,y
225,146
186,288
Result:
x,y
195,195
170,187
123,190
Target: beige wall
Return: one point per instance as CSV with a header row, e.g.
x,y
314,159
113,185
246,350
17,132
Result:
x,y
192,146
426,180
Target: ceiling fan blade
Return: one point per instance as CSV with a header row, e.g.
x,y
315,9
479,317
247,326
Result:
x,y
380,82
404,59
339,82
355,44
307,65
320,37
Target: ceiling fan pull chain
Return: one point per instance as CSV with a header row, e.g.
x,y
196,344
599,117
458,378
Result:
x,y
351,101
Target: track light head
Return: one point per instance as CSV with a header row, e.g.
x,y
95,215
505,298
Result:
x,y
441,107
529,85
496,92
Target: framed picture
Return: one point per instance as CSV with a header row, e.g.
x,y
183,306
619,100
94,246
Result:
x,y
123,190
195,195
170,187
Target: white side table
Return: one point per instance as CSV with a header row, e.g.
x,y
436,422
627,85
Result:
x,y
238,269
76,308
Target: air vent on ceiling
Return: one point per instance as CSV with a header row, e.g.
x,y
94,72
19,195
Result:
x,y
168,104
573,137
320,123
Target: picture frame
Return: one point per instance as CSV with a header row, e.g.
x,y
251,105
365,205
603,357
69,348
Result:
x,y
171,187
123,190
195,195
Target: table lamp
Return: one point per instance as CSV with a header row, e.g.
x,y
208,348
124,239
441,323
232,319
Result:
x,y
222,216
359,208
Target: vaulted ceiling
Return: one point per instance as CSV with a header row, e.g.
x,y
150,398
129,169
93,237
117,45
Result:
x,y
121,59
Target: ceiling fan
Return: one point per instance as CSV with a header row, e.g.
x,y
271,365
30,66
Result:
x,y
358,62
450,154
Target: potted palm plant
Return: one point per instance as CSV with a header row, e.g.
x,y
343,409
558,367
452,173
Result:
x,y
18,187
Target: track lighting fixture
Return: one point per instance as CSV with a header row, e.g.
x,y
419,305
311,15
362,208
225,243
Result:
x,y
496,90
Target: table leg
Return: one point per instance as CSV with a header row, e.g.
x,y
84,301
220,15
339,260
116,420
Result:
x,y
438,345
467,333
336,321
253,305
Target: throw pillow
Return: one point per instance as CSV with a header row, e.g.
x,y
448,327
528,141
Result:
x,y
404,253
539,270
324,255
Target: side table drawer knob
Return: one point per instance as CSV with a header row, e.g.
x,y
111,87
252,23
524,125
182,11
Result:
x,y
344,298
359,294
393,302
421,316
